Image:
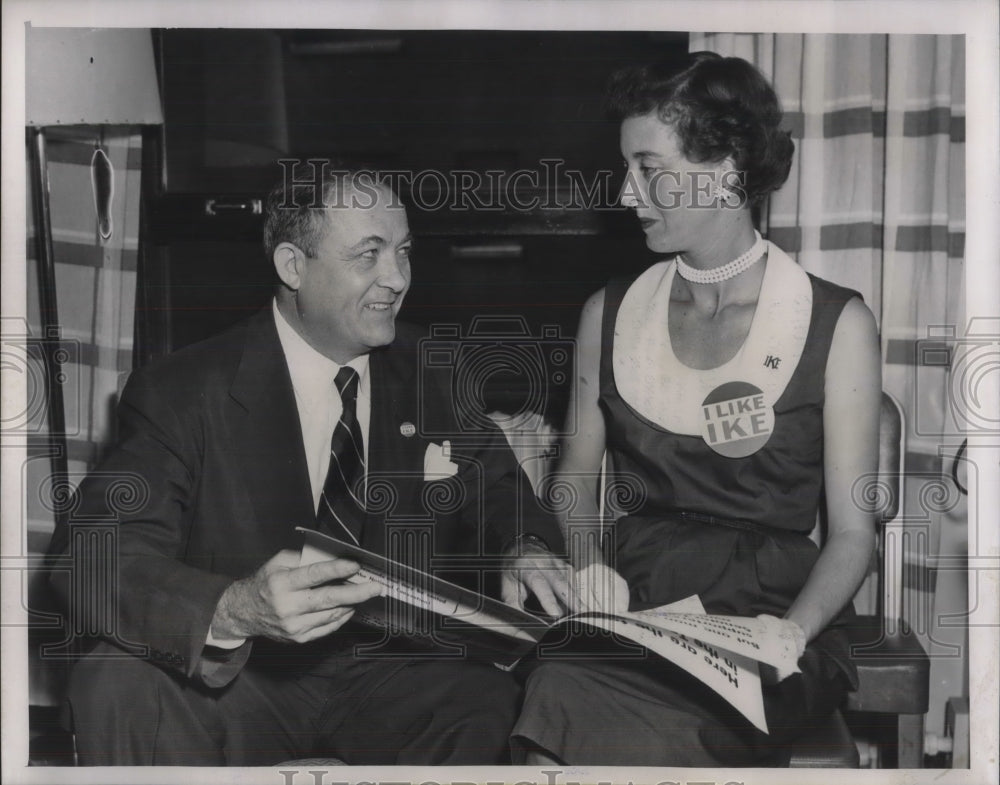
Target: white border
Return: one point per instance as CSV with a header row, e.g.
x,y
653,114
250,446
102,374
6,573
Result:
x,y
977,19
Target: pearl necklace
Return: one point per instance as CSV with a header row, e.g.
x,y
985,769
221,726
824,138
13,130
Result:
x,y
740,264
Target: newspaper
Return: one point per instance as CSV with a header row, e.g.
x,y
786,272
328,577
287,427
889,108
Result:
x,y
723,652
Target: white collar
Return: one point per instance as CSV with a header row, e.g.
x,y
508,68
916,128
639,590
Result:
x,y
313,373
656,384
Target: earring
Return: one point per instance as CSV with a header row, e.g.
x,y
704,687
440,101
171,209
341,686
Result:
x,y
727,197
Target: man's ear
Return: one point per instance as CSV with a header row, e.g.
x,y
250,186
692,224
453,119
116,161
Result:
x,y
289,263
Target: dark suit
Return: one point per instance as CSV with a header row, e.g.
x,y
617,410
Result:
x,y
210,438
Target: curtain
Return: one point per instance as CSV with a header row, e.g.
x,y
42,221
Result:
x,y
95,290
876,201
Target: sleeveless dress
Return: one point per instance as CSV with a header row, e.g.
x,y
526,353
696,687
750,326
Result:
x,y
732,530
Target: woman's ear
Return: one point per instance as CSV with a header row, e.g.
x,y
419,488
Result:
x,y
289,263
730,187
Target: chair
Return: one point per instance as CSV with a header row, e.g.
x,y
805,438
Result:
x,y
893,669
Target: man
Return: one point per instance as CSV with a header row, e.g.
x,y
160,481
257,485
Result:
x,y
232,443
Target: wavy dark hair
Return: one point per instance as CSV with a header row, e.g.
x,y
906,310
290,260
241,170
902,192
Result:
x,y
719,107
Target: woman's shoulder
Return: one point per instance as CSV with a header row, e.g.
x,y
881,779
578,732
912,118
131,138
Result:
x,y
830,292
846,307
840,315
595,303
592,316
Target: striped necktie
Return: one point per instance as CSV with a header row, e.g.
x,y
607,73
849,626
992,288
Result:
x,y
342,505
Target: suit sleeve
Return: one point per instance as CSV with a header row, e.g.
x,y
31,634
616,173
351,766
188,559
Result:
x,y
142,495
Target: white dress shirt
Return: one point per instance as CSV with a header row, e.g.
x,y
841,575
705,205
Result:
x,y
319,405
318,400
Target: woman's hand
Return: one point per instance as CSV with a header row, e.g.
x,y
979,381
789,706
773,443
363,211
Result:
x,y
601,589
795,635
536,570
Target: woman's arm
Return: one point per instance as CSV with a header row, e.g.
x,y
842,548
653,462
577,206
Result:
x,y
583,443
853,390
597,586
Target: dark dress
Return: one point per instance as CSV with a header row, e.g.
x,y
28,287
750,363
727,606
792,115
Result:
x,y
734,531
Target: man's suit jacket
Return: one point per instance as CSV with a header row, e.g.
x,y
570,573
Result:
x,y
208,481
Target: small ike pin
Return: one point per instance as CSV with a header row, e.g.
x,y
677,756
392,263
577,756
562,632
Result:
x,y
772,362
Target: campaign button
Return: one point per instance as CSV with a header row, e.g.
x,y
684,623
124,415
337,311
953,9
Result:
x,y
736,419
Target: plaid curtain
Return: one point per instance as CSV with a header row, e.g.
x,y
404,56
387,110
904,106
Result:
x,y
876,202
95,289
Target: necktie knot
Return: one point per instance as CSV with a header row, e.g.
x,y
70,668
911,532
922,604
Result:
x,y
347,383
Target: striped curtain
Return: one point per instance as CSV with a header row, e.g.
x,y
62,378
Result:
x,y
95,290
876,202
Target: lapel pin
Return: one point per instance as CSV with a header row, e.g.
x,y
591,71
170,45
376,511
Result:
x,y
407,429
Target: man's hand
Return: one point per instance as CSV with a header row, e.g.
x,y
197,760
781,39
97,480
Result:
x,y
538,571
289,603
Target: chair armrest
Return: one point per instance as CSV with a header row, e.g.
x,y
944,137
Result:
x,y
893,669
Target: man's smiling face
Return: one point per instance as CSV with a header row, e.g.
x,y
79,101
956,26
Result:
x,y
352,288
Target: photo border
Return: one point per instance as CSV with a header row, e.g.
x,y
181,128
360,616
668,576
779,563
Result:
x,y
976,19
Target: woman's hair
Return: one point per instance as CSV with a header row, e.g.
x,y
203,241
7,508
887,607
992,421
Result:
x,y
718,107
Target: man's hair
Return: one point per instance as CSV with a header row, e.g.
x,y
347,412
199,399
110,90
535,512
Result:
x,y
296,211
718,106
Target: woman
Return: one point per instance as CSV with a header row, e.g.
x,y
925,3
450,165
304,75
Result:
x,y
733,388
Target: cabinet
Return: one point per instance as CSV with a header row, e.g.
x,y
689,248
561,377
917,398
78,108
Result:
x,y
503,132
